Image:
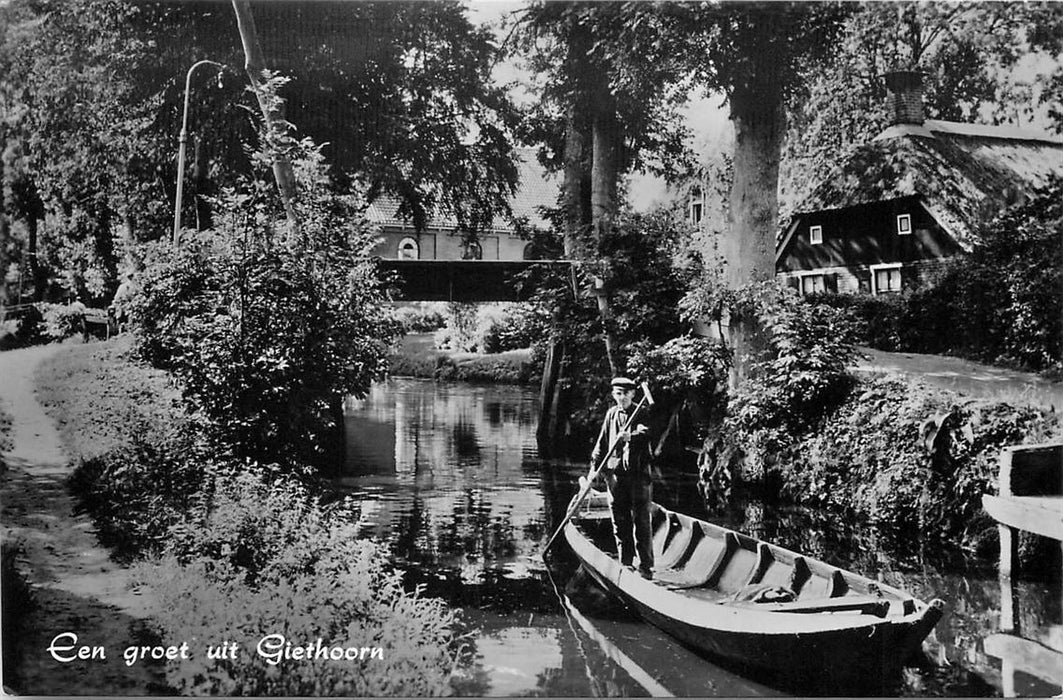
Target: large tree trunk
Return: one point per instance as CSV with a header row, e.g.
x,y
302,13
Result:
x,y
575,197
200,183
4,257
604,173
4,235
748,243
37,271
272,110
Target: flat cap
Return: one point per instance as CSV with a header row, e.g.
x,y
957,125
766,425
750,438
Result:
x,y
623,383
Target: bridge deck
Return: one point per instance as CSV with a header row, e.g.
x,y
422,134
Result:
x,y
469,280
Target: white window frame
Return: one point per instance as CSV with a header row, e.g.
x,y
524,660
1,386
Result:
x,y
416,248
696,204
815,235
806,275
874,276
904,224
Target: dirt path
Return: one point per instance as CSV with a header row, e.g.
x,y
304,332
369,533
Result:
x,y
966,377
76,587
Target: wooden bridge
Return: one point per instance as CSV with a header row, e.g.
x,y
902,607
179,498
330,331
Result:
x,y
469,280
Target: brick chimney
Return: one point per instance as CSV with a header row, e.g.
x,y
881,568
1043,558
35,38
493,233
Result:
x,y
905,96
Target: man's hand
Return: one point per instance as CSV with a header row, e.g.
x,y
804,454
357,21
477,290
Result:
x,y
624,436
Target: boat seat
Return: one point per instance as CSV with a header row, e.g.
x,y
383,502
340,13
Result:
x,y
671,542
705,557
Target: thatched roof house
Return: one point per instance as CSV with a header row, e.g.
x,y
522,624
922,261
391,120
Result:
x,y
918,193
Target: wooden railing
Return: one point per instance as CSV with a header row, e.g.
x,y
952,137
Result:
x,y
1030,498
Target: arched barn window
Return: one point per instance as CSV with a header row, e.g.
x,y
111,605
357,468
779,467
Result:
x,y
530,253
473,251
408,249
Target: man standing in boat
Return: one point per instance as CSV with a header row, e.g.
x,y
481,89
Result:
x,y
624,442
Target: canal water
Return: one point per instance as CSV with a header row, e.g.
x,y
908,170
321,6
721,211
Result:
x,y
449,477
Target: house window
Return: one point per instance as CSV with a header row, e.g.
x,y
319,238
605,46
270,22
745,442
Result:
x,y
815,235
904,224
697,206
813,284
408,249
530,252
473,251
886,279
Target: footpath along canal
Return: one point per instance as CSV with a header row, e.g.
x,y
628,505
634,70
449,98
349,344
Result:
x,y
451,479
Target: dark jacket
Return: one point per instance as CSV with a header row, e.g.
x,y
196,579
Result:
x,y
631,458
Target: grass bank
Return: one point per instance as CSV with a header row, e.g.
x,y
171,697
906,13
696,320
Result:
x,y
101,400
417,356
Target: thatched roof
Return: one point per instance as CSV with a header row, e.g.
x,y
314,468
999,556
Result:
x,y
963,173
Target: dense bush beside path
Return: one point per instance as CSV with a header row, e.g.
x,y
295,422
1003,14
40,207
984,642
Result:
x,y
911,460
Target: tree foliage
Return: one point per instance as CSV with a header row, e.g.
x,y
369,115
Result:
x,y
650,279
76,147
978,62
797,377
582,53
93,94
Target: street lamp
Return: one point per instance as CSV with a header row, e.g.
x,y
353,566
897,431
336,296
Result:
x,y
182,140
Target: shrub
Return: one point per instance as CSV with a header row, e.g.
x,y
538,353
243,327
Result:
x,y
646,278
268,558
509,326
5,433
136,493
63,320
877,321
420,318
689,371
269,331
459,332
911,459
797,378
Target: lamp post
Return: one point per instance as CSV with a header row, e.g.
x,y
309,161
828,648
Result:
x,y
182,140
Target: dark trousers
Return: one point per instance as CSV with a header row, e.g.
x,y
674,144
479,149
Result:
x,y
629,504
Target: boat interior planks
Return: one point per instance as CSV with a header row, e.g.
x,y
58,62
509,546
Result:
x,y
761,606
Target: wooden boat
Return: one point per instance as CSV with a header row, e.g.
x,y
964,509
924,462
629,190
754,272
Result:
x,y
841,632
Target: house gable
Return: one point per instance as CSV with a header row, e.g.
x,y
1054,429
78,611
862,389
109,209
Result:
x,y
864,235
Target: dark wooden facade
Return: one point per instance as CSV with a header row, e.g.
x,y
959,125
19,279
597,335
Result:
x,y
856,241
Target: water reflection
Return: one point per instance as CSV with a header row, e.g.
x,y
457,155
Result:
x,y
449,477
